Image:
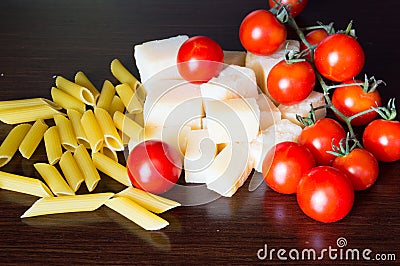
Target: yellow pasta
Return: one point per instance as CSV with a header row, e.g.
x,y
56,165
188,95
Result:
x,y
106,95
71,171
139,118
52,144
82,79
67,101
66,131
11,104
112,154
80,134
32,139
111,168
87,167
92,130
53,179
136,213
28,113
116,105
110,133
11,143
79,92
24,184
66,204
151,202
124,76
129,127
129,98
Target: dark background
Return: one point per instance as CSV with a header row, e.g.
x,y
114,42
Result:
x,y
40,39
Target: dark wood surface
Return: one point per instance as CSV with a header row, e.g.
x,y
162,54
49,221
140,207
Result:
x,y
40,39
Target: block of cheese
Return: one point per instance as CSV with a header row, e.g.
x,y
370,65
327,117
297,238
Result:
x,y
235,58
262,64
232,82
158,57
283,130
173,103
230,169
239,118
269,113
315,98
200,154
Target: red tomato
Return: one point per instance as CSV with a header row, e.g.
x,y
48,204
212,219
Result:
x,y
382,139
314,38
290,83
261,33
319,137
352,100
154,166
339,57
200,59
325,194
285,164
295,6
360,166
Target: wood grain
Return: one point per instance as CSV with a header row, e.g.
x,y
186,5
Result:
x,y
43,38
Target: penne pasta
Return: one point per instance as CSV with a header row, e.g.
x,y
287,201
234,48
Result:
x,y
66,131
52,144
11,104
66,204
136,213
129,127
71,170
124,76
116,105
32,139
11,143
53,179
80,134
24,184
149,201
111,168
109,153
82,79
29,113
87,167
139,118
129,98
106,95
67,101
92,130
110,133
79,92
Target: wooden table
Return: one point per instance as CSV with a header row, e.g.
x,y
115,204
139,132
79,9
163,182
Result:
x,y
40,39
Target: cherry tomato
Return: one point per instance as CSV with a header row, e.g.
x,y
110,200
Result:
x,y
154,166
360,166
318,138
314,38
290,83
261,33
285,164
325,194
200,59
295,6
339,57
351,100
382,139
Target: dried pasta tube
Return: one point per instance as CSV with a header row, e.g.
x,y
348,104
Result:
x,y
129,127
111,136
53,179
32,139
92,130
116,105
106,95
80,134
111,168
52,144
87,167
83,80
11,104
11,143
71,170
112,154
67,101
28,114
129,98
78,91
66,131
24,184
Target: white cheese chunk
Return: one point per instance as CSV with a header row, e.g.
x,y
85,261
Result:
x,y
156,56
283,130
238,119
315,98
235,58
269,113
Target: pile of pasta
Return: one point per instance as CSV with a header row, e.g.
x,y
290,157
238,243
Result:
x,y
85,120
